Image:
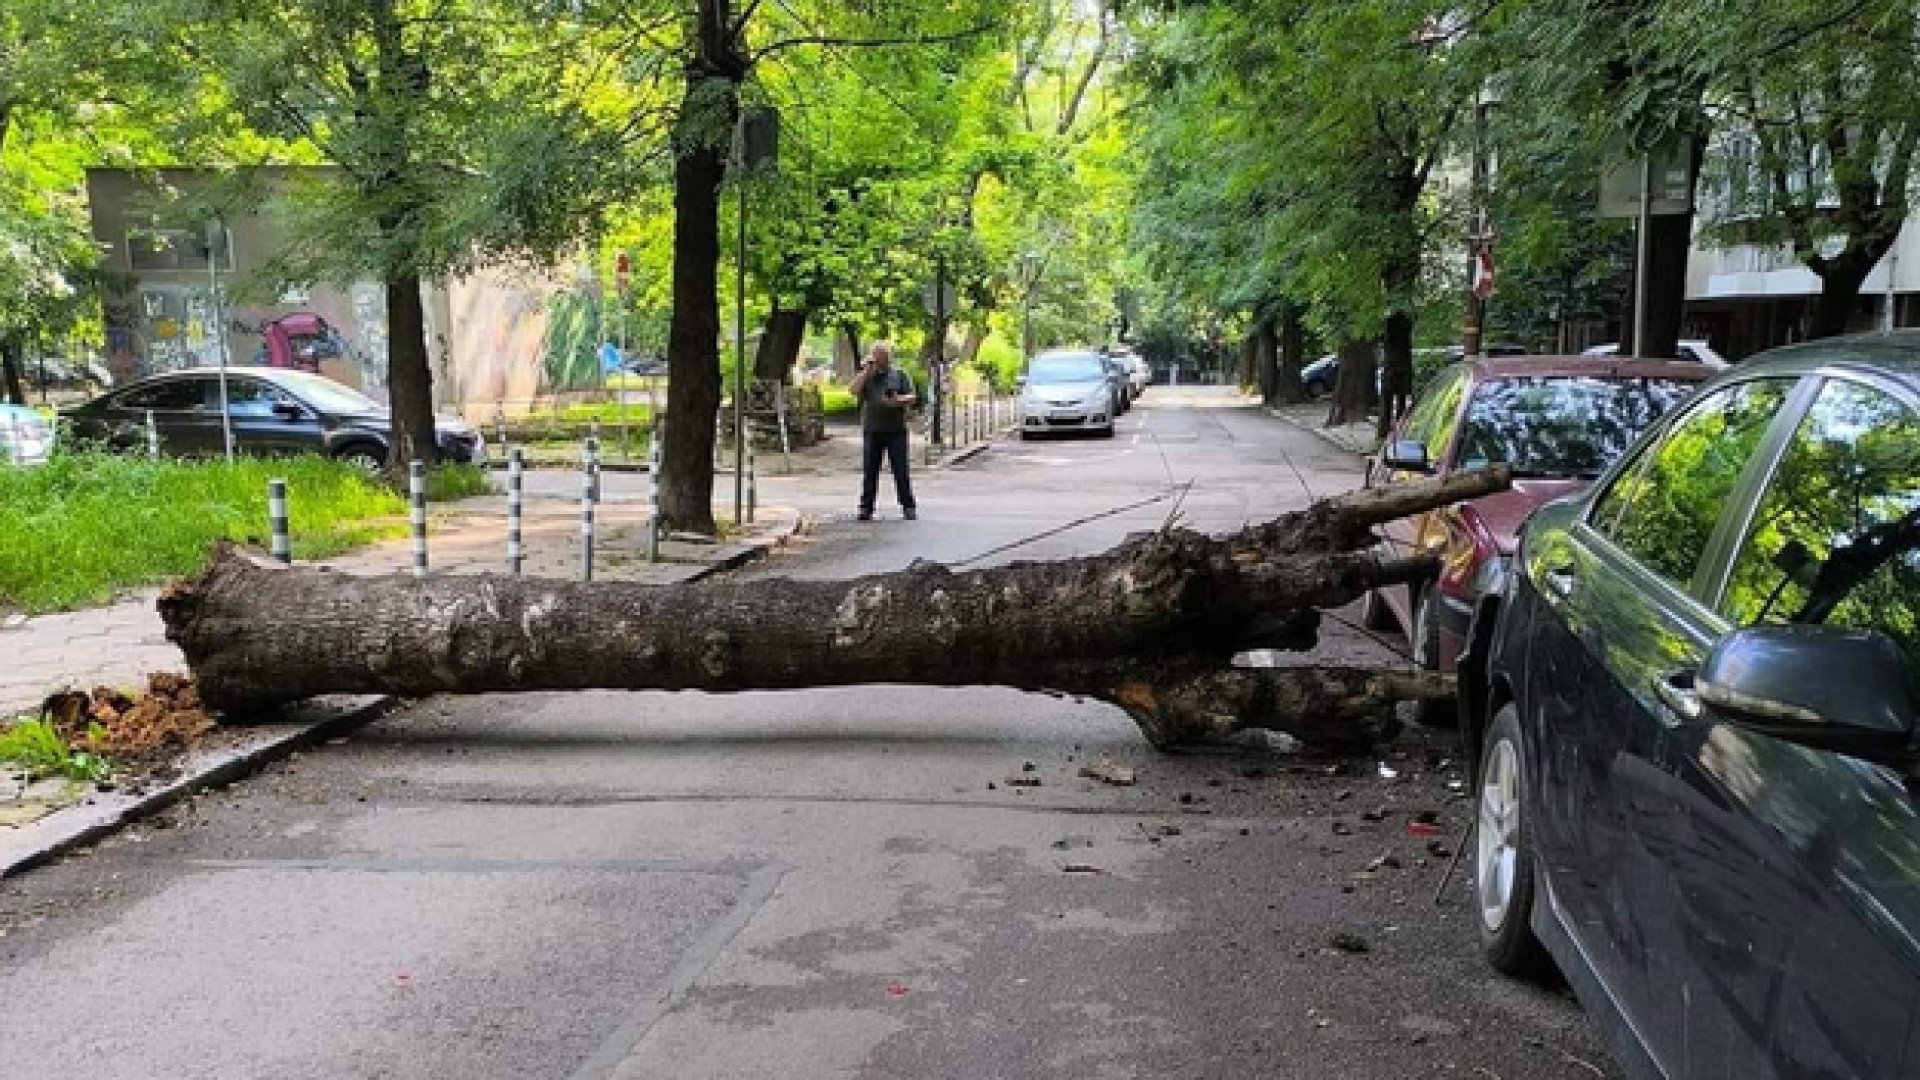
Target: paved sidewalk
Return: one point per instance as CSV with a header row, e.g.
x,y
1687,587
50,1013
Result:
x,y
120,644
1312,416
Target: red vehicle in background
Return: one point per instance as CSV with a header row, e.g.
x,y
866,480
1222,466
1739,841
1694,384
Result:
x,y
298,342
1557,422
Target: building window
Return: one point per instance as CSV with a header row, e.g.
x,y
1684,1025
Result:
x,y
178,249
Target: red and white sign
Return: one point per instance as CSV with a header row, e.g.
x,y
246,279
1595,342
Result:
x,y
623,272
1483,274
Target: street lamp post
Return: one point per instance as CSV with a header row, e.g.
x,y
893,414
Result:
x,y
216,239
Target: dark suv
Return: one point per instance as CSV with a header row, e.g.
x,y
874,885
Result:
x,y
272,410
1694,712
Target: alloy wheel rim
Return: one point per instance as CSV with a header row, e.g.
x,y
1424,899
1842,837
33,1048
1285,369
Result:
x,y
1498,856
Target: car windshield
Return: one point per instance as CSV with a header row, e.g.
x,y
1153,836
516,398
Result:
x,y
1561,426
1067,369
326,395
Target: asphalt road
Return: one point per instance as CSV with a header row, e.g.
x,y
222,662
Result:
x,y
831,883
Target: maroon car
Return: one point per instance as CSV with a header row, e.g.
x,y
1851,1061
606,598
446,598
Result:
x,y
1555,421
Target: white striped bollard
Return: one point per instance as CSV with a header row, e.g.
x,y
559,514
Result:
x,y
653,496
417,496
515,479
277,519
153,437
586,525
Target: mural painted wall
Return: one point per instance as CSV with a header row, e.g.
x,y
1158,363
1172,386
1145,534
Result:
x,y
497,335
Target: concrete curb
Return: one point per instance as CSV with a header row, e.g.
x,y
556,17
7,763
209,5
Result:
x,y
961,457
1320,433
106,813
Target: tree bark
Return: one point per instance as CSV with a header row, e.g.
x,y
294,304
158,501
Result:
x,y
780,345
409,378
1151,626
693,335
1669,242
1840,281
1353,387
10,369
1396,382
1292,348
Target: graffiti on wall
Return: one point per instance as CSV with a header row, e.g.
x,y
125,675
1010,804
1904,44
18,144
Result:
x,y
164,326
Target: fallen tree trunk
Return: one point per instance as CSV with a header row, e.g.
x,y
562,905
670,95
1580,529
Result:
x,y
1151,625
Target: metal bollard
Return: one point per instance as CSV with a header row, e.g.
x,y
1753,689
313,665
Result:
x,y
753,483
417,495
277,518
586,526
153,437
515,480
653,496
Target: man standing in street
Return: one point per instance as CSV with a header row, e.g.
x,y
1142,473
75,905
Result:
x,y
885,394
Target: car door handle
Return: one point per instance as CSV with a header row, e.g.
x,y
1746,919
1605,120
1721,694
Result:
x,y
1681,700
1561,580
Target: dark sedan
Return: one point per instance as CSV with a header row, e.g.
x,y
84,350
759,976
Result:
x,y
272,411
1695,712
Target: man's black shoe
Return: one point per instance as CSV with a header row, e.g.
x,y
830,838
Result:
x,y
865,515
910,513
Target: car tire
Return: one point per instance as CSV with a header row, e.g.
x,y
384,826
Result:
x,y
1375,615
1503,877
363,455
1423,636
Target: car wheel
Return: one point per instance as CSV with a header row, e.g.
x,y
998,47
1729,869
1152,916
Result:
x,y
1424,635
1503,854
1375,615
365,456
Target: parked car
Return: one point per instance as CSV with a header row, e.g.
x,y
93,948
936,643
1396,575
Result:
x,y
1068,390
1319,377
1139,375
1695,350
1694,711
272,411
1122,379
26,437
1555,422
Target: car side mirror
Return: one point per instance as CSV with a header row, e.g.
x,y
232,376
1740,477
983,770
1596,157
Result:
x,y
1407,455
287,410
1827,687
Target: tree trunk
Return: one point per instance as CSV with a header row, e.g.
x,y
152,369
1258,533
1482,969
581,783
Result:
x,y
1248,372
1840,281
409,378
1151,626
1287,389
10,369
1353,388
1266,359
1669,242
780,345
693,336
1396,381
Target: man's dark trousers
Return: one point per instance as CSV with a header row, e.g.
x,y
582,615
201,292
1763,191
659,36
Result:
x,y
893,444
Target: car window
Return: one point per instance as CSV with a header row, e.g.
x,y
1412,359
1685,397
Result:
x,y
1836,538
251,397
1066,368
1663,509
1561,425
173,394
1432,419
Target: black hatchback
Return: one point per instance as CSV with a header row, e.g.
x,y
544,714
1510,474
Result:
x,y
272,411
1694,714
